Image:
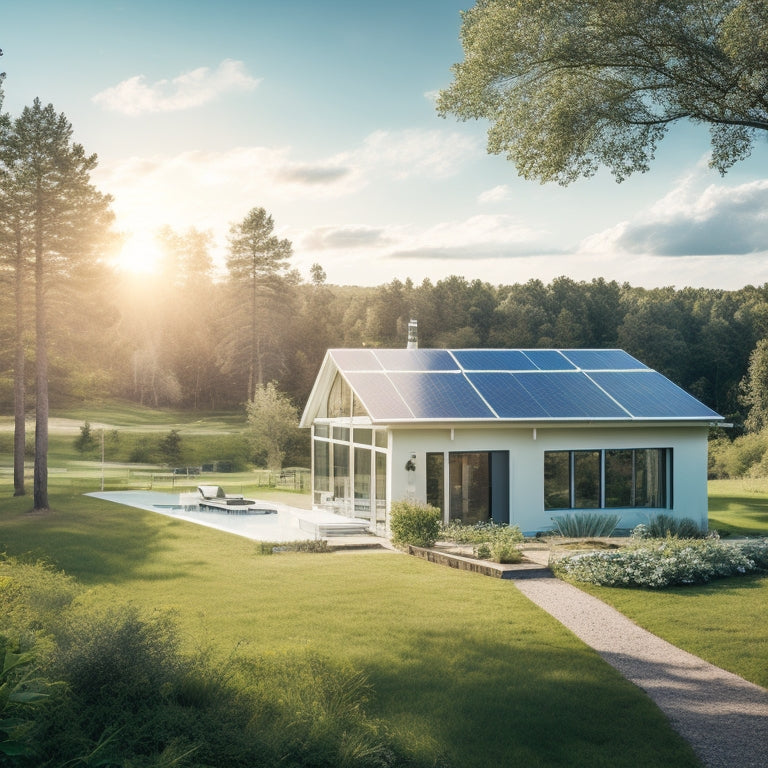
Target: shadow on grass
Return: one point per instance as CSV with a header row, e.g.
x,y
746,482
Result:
x,y
523,702
93,540
740,515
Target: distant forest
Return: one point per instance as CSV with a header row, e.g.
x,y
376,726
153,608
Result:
x,y
178,338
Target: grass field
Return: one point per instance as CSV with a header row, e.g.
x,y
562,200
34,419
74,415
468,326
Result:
x,y
739,507
460,664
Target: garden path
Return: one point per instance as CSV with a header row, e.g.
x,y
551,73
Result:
x,y
722,716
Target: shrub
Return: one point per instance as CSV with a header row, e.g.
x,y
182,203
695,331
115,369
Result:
x,y
491,541
584,525
414,523
661,526
656,564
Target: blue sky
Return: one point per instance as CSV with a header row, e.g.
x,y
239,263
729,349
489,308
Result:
x,y
323,113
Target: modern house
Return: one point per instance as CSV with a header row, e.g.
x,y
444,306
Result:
x,y
515,436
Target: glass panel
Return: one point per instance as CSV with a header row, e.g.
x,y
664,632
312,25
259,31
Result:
x,y
586,479
381,438
362,436
339,398
470,487
363,482
322,430
557,480
618,478
341,433
358,409
341,490
322,478
649,478
381,487
436,480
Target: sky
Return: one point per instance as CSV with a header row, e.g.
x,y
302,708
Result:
x,y
323,113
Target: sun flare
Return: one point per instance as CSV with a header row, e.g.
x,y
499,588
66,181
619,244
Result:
x,y
140,254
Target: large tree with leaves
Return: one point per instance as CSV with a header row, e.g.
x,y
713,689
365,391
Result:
x,y
570,85
258,264
62,222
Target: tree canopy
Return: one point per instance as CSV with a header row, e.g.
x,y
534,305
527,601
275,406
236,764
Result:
x,y
570,85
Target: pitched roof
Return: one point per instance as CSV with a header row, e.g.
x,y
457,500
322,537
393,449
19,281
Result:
x,y
505,385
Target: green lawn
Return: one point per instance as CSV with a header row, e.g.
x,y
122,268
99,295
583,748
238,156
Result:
x,y
723,622
739,507
460,664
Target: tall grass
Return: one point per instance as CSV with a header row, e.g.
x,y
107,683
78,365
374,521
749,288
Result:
x,y
580,525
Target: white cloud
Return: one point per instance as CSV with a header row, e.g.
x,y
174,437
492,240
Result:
x,y
345,237
410,153
192,89
496,194
694,221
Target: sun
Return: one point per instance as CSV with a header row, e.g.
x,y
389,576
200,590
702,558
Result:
x,y
140,254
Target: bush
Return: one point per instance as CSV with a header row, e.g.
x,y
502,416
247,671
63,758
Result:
x,y
585,525
656,564
414,523
491,541
662,526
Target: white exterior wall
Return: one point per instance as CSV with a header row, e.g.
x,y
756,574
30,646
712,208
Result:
x,y
526,448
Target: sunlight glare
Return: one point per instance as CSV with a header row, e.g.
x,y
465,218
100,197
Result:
x,y
140,254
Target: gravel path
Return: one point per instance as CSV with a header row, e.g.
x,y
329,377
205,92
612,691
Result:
x,y
722,716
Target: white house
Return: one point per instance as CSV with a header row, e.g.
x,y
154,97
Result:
x,y
512,435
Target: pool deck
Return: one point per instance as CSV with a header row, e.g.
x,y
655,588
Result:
x,y
289,524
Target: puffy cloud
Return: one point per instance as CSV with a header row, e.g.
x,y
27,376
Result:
x,y
135,96
694,221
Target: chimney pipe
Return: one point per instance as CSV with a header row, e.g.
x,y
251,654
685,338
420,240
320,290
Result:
x,y
413,335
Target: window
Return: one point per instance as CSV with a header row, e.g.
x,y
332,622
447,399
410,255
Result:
x,y
362,482
436,480
322,466
633,477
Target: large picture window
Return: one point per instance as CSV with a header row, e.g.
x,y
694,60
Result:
x,y
633,477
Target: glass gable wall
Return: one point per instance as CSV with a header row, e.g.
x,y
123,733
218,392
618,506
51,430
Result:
x,y
349,459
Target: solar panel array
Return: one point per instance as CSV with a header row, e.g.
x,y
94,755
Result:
x,y
512,384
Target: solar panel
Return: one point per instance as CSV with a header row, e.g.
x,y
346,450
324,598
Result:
x,y
493,360
602,359
648,394
569,395
407,384
416,360
378,395
440,395
507,396
355,360
548,360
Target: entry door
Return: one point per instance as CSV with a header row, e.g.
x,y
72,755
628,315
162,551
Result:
x,y
479,484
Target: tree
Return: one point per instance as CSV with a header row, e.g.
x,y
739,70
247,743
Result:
x,y
755,388
258,261
13,254
63,222
273,422
569,85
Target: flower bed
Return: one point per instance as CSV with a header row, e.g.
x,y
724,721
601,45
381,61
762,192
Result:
x,y
659,563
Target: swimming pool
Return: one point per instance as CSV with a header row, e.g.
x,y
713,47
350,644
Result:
x,y
289,524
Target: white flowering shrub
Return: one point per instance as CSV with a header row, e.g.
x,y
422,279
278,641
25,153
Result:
x,y
659,563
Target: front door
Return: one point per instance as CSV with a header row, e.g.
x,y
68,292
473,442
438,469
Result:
x,y
479,483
